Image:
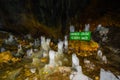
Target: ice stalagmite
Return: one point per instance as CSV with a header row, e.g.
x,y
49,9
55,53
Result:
x,y
77,75
99,53
72,28
20,52
66,43
29,53
87,26
60,47
104,59
75,61
52,58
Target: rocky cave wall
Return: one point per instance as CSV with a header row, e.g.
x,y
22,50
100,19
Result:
x,y
32,16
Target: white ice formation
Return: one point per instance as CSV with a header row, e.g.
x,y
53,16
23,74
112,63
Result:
x,y
72,28
77,75
87,27
107,75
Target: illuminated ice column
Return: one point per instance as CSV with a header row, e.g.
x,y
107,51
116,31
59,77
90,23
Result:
x,y
52,57
75,61
72,28
66,43
60,47
87,26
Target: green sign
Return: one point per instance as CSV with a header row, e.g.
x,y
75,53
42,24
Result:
x,y
80,36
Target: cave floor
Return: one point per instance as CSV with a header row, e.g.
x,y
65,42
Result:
x,y
12,68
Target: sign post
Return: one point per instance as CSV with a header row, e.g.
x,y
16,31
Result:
x,y
85,36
